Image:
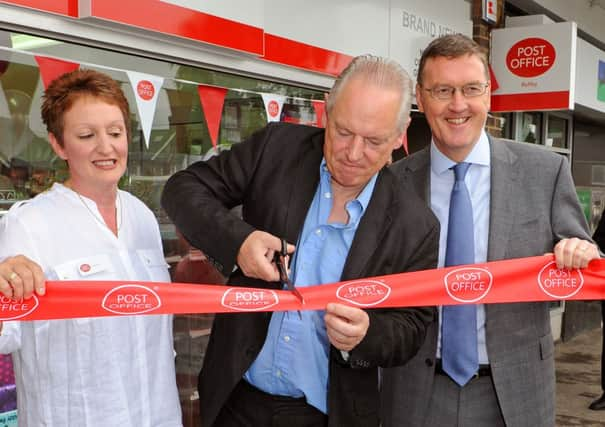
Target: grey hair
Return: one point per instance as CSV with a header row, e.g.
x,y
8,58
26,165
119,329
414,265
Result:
x,y
383,72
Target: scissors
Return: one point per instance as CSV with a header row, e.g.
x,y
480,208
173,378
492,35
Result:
x,y
280,262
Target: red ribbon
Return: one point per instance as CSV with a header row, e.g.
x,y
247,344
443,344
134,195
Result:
x,y
515,280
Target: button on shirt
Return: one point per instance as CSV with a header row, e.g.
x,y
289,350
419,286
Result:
x,y
294,359
478,183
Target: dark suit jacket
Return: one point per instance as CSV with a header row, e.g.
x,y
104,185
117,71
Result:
x,y
533,205
275,175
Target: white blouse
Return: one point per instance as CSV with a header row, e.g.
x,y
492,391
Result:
x,y
114,371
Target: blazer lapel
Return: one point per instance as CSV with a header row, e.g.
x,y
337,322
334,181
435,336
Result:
x,y
418,172
375,221
302,189
502,201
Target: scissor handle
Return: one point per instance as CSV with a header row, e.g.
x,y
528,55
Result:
x,y
279,262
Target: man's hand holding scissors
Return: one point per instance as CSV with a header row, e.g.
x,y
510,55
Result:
x,y
346,326
257,253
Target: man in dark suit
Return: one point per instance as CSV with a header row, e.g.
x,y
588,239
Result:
x,y
599,238
330,194
521,202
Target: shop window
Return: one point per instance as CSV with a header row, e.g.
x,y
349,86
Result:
x,y
179,136
549,129
529,128
557,131
506,120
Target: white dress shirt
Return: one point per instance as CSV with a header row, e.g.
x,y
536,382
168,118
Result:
x,y
113,371
477,181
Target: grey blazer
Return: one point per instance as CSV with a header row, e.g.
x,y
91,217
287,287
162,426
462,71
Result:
x,y
533,206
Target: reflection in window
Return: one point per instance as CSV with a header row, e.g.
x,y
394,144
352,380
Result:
x,y
529,129
556,134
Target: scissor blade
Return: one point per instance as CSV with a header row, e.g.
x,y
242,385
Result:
x,y
295,291
297,294
280,262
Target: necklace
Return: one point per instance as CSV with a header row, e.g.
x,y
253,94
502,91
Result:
x,y
118,219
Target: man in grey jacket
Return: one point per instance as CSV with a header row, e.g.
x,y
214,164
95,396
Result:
x,y
520,202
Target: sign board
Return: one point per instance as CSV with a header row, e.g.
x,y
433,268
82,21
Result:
x,y
590,76
534,67
489,11
415,23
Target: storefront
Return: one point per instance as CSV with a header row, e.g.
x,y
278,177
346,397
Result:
x,y
261,60
549,59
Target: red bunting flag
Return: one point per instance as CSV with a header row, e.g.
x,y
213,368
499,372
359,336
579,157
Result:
x,y
51,68
319,107
493,82
212,99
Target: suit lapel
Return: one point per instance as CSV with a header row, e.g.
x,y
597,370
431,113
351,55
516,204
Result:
x,y
379,215
502,199
417,171
504,175
302,189
375,221
414,172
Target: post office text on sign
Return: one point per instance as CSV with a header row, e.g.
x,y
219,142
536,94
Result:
x,y
530,57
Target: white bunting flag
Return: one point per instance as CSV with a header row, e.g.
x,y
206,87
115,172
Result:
x,y
273,106
35,118
4,111
146,89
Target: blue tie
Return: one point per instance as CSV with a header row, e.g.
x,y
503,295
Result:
x,y
459,323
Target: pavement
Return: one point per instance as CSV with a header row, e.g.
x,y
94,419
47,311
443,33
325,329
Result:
x,y
578,368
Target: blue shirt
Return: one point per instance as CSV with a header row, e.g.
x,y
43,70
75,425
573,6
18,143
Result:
x,y
294,359
477,181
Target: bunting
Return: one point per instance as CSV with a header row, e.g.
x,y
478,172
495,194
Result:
x,y
212,99
146,88
148,96
4,111
320,111
5,41
492,78
36,124
51,68
273,106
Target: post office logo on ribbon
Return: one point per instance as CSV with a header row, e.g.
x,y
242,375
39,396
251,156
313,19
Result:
x,y
363,293
131,299
468,284
560,283
241,299
15,309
